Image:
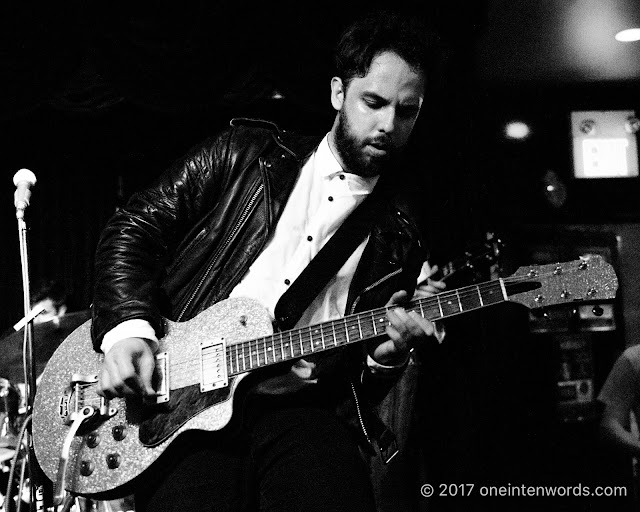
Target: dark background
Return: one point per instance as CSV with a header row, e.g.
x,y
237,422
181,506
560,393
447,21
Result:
x,y
98,101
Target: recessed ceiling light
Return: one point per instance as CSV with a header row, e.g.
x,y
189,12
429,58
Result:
x,y
517,130
629,35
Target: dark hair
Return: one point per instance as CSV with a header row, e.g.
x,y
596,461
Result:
x,y
408,37
50,289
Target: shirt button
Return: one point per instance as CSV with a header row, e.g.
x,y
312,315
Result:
x,y
287,282
342,176
330,198
309,238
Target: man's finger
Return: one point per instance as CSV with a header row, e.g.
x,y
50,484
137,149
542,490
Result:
x,y
146,367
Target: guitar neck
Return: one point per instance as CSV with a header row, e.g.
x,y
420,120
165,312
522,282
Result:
x,y
296,343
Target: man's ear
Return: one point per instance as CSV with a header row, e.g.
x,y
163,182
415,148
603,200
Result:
x,y
337,93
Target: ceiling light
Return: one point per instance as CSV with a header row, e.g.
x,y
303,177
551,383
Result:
x,y
517,130
629,35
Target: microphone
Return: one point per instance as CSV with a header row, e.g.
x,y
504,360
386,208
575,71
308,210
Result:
x,y
24,179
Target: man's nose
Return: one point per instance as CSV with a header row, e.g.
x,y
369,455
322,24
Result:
x,y
387,120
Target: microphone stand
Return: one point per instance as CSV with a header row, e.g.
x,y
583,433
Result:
x,y
36,488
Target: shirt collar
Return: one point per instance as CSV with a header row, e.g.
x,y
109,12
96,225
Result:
x,y
328,166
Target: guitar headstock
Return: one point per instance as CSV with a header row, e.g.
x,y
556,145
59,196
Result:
x,y
589,278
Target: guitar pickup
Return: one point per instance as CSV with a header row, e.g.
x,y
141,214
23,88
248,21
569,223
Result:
x,y
213,365
161,378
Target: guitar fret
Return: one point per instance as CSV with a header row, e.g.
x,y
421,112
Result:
x,y
264,350
372,329
311,345
346,331
255,350
274,350
291,344
259,352
449,306
333,332
271,349
315,334
382,320
491,294
459,301
281,348
244,355
229,359
471,300
237,370
341,334
353,327
440,306
324,346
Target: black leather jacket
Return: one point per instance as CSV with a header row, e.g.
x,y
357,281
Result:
x,y
184,243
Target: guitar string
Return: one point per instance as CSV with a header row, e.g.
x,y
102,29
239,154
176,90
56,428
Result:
x,y
261,348
263,351
267,350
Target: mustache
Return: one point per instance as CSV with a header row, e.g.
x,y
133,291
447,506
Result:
x,y
382,141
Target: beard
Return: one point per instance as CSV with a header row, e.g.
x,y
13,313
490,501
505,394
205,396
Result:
x,y
352,150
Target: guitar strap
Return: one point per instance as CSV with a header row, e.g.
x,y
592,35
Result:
x,y
293,302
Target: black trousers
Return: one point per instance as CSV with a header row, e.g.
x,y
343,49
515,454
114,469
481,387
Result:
x,y
290,457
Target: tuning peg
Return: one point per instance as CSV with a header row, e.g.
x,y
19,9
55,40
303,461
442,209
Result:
x,y
597,310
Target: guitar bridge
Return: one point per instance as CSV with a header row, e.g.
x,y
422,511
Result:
x,y
213,365
74,403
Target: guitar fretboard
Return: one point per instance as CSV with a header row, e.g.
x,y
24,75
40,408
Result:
x,y
296,343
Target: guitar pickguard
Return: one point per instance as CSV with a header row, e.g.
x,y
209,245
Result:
x,y
159,422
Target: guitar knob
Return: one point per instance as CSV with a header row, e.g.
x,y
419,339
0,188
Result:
x,y
113,460
93,440
86,468
119,432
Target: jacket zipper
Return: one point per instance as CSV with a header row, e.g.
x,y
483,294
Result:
x,y
353,388
241,221
371,286
359,412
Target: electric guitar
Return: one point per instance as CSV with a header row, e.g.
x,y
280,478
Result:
x,y
93,447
